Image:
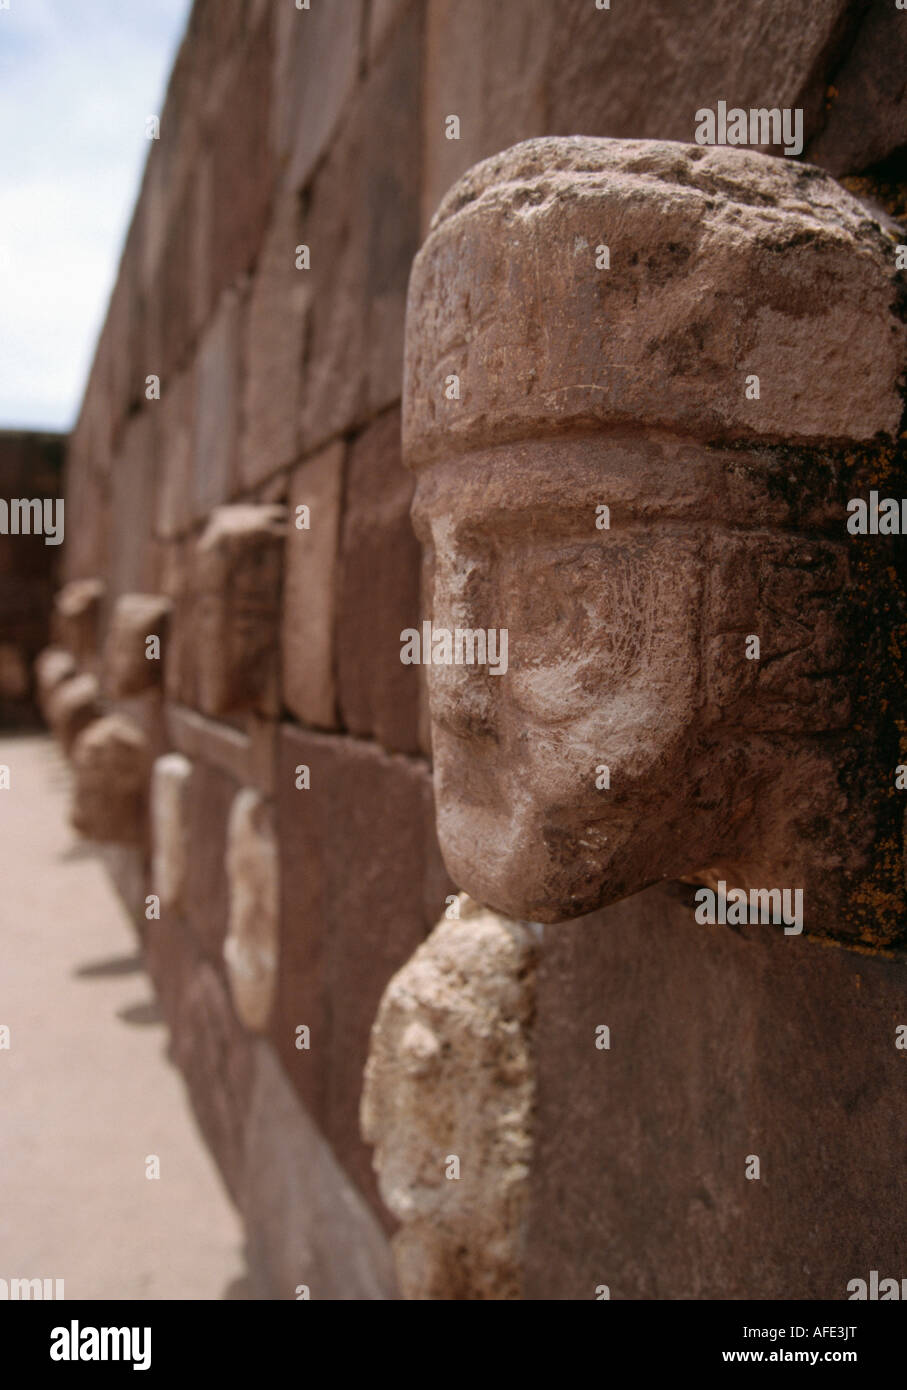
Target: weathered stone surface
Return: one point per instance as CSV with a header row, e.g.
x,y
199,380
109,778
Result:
x,y
378,592
134,556
522,68
629,646
250,947
111,765
362,223
723,1043
127,667
317,63
247,757
71,706
450,1076
310,589
53,666
217,402
242,169
865,117
347,923
77,613
176,443
170,828
212,1051
307,1222
721,263
210,798
275,325
238,563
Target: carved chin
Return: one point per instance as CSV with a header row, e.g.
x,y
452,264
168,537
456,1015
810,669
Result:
x,y
530,868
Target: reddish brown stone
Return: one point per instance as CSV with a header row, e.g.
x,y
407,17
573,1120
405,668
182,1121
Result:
x,y
128,668
278,308
217,401
242,169
209,798
379,593
343,933
723,1043
310,588
317,63
237,579
362,227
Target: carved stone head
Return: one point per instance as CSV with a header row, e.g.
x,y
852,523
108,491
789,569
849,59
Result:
x,y
643,381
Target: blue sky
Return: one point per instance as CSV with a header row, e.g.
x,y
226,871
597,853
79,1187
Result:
x,y
77,80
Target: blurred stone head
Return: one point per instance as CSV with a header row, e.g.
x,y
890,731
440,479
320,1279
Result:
x,y
642,382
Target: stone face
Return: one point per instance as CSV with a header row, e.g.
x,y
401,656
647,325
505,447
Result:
x,y
250,948
238,563
379,592
111,765
310,597
723,1043
128,669
71,706
170,828
77,612
450,1075
307,1222
633,734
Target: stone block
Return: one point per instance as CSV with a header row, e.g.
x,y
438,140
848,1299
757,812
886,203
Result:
x,y
242,167
316,67
379,595
347,925
310,588
361,223
210,797
447,1102
128,669
111,766
134,554
175,444
250,947
217,401
238,571
723,1043
306,1222
275,326
170,844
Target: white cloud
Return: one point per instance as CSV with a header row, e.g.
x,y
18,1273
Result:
x,y
77,80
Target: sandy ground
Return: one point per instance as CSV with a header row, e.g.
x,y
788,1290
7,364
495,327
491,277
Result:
x,y
86,1091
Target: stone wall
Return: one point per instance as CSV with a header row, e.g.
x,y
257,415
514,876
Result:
x,y
234,489
31,470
